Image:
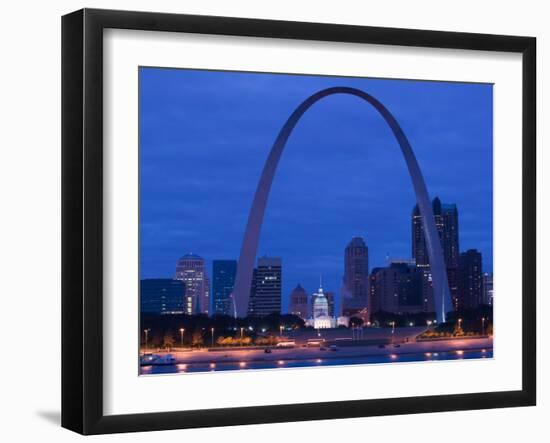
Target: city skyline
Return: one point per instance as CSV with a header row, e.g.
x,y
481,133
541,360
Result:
x,y
384,222
354,293
224,271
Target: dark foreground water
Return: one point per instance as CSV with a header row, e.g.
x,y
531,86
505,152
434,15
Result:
x,y
333,361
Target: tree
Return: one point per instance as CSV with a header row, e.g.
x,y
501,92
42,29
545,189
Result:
x,y
168,340
228,341
270,340
197,339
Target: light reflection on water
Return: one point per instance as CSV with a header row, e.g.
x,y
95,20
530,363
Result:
x,y
389,358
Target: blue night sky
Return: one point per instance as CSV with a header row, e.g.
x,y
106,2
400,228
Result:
x,y
205,135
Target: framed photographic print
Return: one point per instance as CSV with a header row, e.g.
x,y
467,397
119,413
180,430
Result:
x,y
269,221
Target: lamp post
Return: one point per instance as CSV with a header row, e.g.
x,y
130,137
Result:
x,y
212,331
242,330
146,338
281,331
482,325
182,330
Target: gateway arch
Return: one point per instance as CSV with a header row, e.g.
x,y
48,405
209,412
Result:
x,y
243,280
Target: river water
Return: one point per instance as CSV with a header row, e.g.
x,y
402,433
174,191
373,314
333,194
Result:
x,y
332,361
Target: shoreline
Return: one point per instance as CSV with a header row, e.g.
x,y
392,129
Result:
x,y
203,357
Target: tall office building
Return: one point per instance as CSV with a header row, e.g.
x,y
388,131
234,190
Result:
x,y
265,297
488,292
470,281
356,276
299,302
162,296
397,288
446,221
223,281
331,303
192,271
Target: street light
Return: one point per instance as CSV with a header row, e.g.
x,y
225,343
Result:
x,y
212,330
146,338
280,331
242,329
482,325
182,330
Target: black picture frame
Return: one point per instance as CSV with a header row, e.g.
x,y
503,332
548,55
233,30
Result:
x,y
82,218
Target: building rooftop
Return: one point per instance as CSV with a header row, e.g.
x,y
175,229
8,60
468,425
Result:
x,y
190,255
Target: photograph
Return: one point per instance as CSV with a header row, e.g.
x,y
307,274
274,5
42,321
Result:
x,y
291,220
256,221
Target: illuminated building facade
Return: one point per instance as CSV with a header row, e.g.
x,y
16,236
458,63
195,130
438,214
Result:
x,y
488,292
223,281
446,222
470,280
192,271
321,318
162,296
265,296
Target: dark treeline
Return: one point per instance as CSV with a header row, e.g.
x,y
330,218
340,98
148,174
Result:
x,y
477,320
166,330
471,320
385,319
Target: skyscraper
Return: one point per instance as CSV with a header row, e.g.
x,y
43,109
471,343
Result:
x,y
191,270
397,288
299,302
488,292
331,303
446,221
470,282
223,281
162,296
265,297
356,275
